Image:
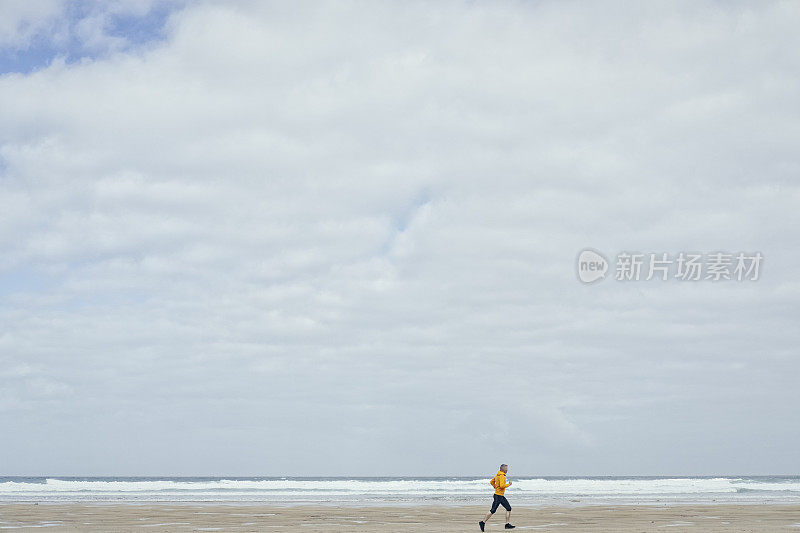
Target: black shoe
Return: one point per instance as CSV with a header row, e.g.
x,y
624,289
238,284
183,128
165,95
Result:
x,y
482,524
509,526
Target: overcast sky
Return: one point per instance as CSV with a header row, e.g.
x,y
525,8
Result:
x,y
340,238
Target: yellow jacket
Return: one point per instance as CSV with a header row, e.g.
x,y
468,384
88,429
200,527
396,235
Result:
x,y
499,483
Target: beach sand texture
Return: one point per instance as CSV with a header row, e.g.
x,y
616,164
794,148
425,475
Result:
x,y
215,517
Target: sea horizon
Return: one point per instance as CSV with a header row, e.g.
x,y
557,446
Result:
x,y
402,490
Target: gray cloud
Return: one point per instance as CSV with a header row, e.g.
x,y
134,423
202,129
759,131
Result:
x,y
339,239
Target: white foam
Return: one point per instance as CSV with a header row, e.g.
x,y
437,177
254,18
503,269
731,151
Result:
x,y
460,490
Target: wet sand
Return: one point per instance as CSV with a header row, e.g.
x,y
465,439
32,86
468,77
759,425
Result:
x,y
219,517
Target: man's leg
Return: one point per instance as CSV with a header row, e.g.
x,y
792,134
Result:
x,y
495,505
508,513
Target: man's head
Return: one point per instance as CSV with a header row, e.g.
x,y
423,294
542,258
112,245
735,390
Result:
x,y
504,468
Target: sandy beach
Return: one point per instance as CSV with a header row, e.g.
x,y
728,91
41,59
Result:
x,y
214,517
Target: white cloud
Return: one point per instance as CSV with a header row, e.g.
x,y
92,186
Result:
x,y
356,223
20,20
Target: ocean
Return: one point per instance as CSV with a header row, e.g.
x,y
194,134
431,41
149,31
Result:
x,y
528,491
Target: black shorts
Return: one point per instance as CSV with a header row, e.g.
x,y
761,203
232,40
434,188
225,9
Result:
x,y
498,501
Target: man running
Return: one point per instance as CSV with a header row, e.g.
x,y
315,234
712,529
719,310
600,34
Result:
x,y
500,485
